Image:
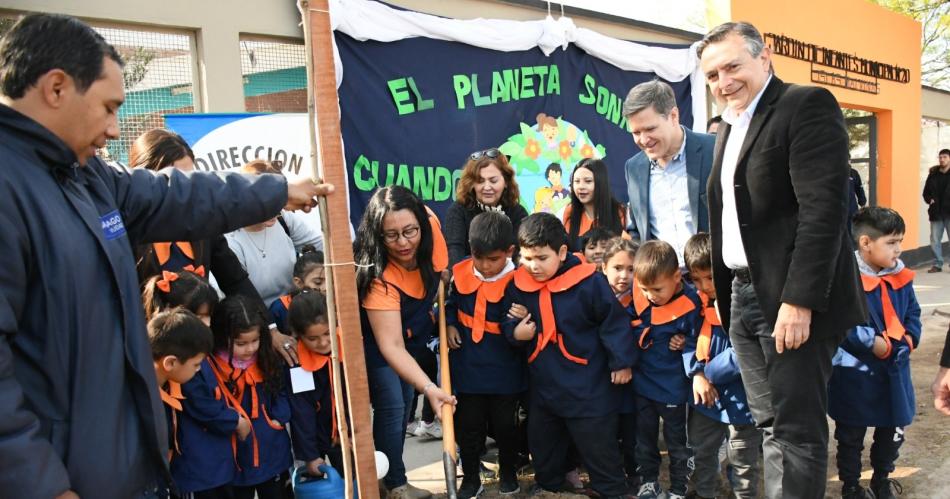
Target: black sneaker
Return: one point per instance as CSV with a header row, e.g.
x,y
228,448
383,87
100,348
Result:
x,y
855,492
508,485
934,270
470,489
884,489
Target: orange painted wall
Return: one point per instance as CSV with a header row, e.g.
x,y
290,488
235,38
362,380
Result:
x,y
869,31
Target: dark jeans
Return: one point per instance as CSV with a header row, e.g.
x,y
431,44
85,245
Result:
x,y
428,362
275,488
390,397
473,414
222,492
788,397
596,440
649,413
628,443
884,451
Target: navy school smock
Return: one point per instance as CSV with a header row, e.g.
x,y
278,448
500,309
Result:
x,y
628,394
265,453
584,335
205,432
279,313
659,373
486,363
313,413
709,351
878,392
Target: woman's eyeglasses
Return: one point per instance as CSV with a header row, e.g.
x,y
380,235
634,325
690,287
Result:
x,y
488,153
409,234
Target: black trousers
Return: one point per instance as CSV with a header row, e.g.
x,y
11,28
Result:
x,y
649,413
429,365
884,451
275,488
549,436
473,415
788,397
628,444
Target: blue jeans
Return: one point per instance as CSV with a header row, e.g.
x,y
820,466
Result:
x,y
937,229
391,397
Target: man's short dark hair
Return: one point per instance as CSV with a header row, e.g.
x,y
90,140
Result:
x,y
749,33
490,231
179,333
697,253
655,259
596,235
39,43
944,152
877,221
542,229
712,121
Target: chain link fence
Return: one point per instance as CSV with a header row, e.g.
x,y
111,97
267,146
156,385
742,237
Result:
x,y
275,75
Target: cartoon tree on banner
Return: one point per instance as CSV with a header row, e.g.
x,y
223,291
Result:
x,y
543,157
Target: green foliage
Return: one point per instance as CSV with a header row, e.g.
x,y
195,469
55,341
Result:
x,y
934,18
137,60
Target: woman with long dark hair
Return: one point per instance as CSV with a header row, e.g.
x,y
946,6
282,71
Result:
x,y
487,184
592,204
399,260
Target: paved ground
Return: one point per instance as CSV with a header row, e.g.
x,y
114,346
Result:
x,y
923,468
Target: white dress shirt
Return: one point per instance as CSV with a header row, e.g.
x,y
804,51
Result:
x,y
670,218
733,252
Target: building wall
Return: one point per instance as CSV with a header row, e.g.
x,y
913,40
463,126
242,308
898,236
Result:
x,y
934,136
861,28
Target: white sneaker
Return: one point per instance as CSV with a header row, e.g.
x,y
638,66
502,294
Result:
x,y
415,429
574,478
433,429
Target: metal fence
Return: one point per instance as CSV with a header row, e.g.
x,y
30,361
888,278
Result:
x,y
274,74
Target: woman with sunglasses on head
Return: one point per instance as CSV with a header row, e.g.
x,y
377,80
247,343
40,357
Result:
x,y
399,253
487,184
592,204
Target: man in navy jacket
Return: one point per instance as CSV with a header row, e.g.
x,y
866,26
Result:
x,y
79,405
666,180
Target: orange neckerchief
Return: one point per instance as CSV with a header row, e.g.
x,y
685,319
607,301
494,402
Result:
x,y
563,282
172,398
586,222
659,314
892,324
163,251
626,298
710,319
286,300
224,374
580,256
313,362
466,282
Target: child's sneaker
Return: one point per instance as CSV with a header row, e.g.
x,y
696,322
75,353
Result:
x,y
433,429
672,495
508,484
414,429
884,489
470,488
574,478
649,490
855,492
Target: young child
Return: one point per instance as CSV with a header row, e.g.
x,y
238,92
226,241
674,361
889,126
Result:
x,y
668,312
593,243
313,412
250,379
871,383
188,289
577,337
619,256
719,409
180,342
488,374
308,274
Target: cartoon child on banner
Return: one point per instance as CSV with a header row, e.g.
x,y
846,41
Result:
x,y
543,156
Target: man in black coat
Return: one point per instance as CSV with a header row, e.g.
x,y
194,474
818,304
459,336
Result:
x,y
783,265
937,197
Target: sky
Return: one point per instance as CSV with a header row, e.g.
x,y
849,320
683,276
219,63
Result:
x,y
683,14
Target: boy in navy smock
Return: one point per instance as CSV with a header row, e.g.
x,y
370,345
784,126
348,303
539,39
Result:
x,y
577,340
488,373
871,384
719,409
668,312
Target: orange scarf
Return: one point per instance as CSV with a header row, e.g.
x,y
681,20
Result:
x,y
163,251
710,319
173,398
313,362
893,328
659,314
466,282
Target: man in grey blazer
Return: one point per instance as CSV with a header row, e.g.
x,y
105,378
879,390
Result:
x,y
666,180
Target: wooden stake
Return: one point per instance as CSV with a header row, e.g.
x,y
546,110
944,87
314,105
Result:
x,y
449,459
343,305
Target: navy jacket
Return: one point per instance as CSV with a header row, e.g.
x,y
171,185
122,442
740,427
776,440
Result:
x,y
659,374
699,157
418,318
280,313
717,361
628,392
312,412
205,429
486,364
77,384
869,391
570,373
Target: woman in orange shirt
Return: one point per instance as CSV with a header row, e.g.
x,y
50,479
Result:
x,y
592,204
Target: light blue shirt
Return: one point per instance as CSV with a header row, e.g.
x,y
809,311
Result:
x,y
670,217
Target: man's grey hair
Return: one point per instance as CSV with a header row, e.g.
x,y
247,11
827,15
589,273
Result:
x,y
655,94
753,39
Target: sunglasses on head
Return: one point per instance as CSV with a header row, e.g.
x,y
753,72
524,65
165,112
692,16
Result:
x,y
488,153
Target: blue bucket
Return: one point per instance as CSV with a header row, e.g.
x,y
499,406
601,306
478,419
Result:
x,y
330,486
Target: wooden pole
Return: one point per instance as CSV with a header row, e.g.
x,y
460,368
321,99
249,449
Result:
x,y
449,459
329,164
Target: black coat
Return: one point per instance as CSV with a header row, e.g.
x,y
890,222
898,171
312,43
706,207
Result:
x,y
457,220
791,188
937,189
